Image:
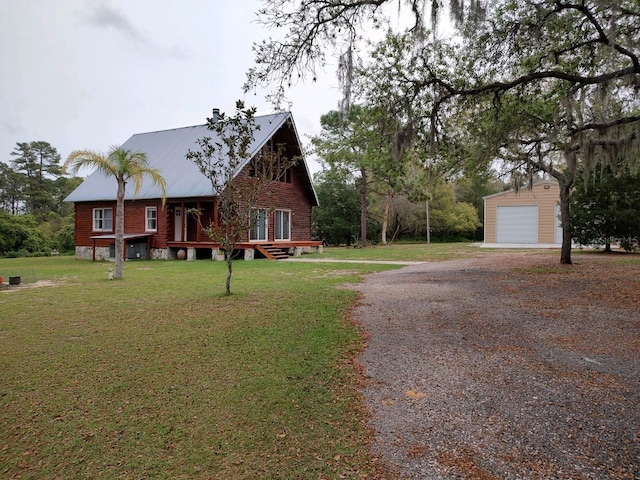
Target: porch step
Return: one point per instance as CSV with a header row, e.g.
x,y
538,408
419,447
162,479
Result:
x,y
272,252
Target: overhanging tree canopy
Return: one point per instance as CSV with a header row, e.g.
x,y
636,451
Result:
x,y
588,50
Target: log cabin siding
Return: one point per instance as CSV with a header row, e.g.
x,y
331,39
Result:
x,y
134,222
544,195
84,223
293,197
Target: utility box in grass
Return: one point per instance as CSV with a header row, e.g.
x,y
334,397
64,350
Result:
x,y
14,280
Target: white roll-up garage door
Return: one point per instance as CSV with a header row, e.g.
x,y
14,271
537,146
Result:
x,y
517,224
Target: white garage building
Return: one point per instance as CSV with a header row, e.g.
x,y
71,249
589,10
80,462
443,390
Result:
x,y
529,217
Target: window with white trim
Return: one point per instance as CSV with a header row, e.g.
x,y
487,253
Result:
x,y
283,225
151,215
102,219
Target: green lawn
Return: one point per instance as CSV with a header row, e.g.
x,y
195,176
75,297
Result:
x,y
161,376
402,252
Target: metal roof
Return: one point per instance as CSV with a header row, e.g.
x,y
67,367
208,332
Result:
x,y
166,150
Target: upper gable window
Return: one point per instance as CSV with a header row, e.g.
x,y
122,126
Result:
x,y
286,176
102,219
271,163
260,170
151,216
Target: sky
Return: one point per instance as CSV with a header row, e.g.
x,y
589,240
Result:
x,y
88,74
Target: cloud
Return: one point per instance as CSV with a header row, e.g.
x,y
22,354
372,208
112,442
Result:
x,y
11,128
106,17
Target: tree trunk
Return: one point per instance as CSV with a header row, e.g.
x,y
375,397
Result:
x,y
228,256
120,229
229,259
385,218
363,209
565,218
565,181
428,218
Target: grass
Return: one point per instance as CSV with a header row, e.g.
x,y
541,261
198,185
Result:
x,y
417,252
161,376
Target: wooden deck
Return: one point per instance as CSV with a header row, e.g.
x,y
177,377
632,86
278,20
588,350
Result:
x,y
270,250
243,245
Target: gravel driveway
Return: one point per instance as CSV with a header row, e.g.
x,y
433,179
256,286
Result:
x,y
505,366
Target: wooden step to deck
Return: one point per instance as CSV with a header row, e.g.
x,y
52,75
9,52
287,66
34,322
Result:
x,y
272,252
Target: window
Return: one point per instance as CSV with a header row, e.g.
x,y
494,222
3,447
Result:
x,y
270,168
283,223
286,176
259,225
152,219
102,219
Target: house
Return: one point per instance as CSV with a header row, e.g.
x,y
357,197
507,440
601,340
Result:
x,y
156,232
527,217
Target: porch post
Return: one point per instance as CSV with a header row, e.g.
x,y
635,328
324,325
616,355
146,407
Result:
x,y
198,229
183,224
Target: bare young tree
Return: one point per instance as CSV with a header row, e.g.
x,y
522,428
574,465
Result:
x,y
239,179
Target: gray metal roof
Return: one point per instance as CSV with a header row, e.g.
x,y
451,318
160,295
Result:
x,y
166,150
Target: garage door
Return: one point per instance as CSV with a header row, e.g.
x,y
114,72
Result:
x,y
517,224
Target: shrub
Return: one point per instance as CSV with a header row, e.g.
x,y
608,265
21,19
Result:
x,y
64,239
20,232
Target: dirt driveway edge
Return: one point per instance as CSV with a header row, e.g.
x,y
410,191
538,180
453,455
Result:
x,y
504,367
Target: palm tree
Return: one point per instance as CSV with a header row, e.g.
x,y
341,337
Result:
x,y
124,165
